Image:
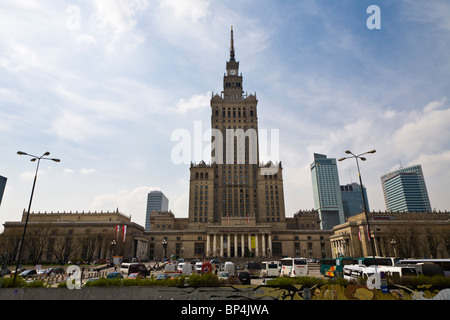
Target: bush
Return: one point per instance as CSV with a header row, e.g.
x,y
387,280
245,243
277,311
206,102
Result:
x,y
8,281
442,281
205,280
305,281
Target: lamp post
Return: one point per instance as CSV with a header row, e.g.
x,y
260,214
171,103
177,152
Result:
x,y
359,156
393,242
164,244
33,158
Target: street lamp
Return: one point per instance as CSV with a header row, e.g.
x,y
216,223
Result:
x,y
363,196
164,244
33,158
393,242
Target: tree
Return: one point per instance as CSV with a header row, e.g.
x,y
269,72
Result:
x,y
63,246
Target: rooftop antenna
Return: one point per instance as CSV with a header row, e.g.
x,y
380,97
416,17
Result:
x,y
232,46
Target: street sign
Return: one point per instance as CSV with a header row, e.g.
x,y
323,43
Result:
x,y
383,282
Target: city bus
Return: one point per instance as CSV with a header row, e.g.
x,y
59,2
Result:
x,y
294,267
333,267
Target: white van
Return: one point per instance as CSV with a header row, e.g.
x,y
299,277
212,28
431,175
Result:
x,y
198,267
124,267
269,269
186,269
229,266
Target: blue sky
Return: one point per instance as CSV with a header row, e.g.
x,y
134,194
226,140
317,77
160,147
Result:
x,y
103,84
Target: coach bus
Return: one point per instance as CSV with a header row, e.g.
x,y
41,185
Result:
x,y
294,267
429,267
333,267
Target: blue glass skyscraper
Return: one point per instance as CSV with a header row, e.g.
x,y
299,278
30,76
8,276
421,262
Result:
x,y
405,190
156,200
352,199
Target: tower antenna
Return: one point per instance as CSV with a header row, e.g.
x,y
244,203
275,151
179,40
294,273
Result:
x,y
232,46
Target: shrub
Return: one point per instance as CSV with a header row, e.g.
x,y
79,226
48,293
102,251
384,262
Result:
x,y
205,280
8,281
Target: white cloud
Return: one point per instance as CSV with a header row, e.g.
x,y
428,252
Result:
x,y
131,202
194,10
118,20
86,39
195,102
87,171
426,132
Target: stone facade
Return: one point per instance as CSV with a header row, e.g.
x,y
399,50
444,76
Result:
x,y
405,234
63,236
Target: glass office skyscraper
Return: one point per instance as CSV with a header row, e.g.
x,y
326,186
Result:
x,y
405,190
352,199
327,191
2,187
156,200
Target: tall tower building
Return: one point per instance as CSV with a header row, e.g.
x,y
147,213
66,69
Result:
x,y
327,191
234,185
352,199
2,187
404,190
156,200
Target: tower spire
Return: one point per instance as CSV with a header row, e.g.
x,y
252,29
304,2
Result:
x,y
232,46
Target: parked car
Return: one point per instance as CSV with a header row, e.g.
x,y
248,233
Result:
x,y
114,275
198,267
244,277
224,275
137,268
162,276
27,273
90,280
135,276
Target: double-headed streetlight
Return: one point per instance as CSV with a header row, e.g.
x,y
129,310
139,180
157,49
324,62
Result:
x,y
359,156
33,158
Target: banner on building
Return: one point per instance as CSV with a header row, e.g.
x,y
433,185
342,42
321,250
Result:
x,y
124,230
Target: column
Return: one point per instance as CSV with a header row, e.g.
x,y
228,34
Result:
x,y
250,243
229,245
214,246
242,245
235,245
269,240
263,244
221,245
256,245
207,245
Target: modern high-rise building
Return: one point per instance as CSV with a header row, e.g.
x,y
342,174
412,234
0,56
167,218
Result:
x,y
404,190
327,191
2,187
156,200
352,199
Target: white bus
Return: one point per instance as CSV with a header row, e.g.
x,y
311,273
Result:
x,y
269,269
294,267
353,272
429,267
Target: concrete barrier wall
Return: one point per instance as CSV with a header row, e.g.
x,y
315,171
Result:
x,y
236,292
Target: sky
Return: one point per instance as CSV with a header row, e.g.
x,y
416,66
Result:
x,y
103,85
